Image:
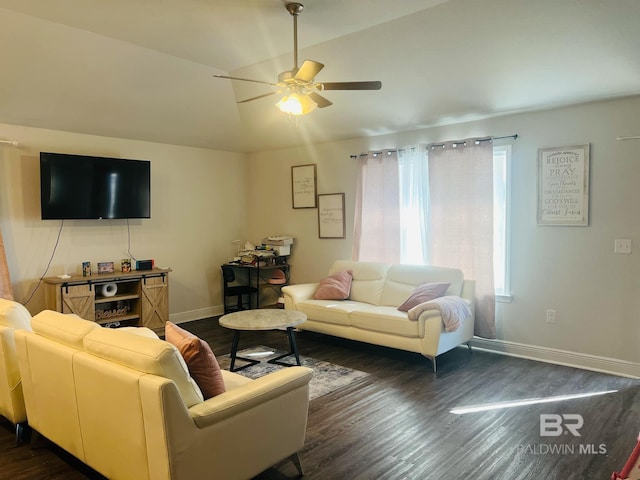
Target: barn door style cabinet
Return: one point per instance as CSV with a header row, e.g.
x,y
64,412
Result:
x,y
139,298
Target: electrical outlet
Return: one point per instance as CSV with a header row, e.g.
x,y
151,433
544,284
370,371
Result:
x,y
551,316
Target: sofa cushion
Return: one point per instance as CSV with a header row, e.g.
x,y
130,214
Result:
x,y
368,279
146,355
67,329
14,315
199,357
424,293
329,311
385,319
334,287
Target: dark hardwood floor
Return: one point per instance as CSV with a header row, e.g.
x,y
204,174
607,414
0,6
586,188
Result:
x,y
396,423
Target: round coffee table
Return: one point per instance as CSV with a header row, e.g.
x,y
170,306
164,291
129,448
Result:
x,y
265,319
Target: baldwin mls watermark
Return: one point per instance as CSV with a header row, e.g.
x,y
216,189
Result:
x,y
567,425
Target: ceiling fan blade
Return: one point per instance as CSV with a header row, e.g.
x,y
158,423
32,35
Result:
x,y
308,70
246,80
256,98
352,85
320,100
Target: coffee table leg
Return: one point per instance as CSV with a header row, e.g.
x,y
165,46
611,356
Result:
x,y
293,351
292,344
234,350
234,355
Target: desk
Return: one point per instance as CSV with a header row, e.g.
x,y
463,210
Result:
x,y
258,276
262,320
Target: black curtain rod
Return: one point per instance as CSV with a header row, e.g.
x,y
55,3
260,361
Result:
x,y
487,139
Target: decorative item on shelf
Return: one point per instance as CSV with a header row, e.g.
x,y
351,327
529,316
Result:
x,y
145,264
236,258
105,267
278,277
122,308
126,265
86,269
108,289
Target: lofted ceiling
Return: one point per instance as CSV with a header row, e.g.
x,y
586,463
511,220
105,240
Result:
x,y
144,69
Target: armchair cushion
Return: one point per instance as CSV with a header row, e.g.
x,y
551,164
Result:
x,y
199,357
69,330
145,355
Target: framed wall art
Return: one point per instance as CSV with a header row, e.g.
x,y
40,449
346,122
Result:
x,y
331,222
563,186
303,186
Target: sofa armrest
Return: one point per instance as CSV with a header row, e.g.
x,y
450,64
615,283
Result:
x,y
9,358
469,291
297,293
250,395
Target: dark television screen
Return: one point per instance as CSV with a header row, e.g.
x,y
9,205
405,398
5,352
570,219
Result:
x,y
82,187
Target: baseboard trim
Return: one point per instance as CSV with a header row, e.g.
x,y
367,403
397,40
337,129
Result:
x,y
559,357
199,314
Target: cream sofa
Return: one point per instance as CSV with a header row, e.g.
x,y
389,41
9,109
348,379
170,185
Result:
x,y
125,405
371,315
12,316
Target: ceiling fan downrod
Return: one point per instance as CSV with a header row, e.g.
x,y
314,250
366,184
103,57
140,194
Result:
x,y
295,9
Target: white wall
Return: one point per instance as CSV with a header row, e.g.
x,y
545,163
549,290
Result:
x,y
198,204
204,199
573,270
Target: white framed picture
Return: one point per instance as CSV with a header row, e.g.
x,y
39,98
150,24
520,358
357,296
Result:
x,y
563,186
331,223
303,186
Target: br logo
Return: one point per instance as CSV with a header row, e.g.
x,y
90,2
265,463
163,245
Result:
x,y
553,425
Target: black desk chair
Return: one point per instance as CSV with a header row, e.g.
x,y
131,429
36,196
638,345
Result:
x,y
238,291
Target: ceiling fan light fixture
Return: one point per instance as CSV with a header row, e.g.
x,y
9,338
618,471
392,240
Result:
x,y
296,104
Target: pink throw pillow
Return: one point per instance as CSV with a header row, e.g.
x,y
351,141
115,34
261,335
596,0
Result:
x,y
335,287
199,358
424,293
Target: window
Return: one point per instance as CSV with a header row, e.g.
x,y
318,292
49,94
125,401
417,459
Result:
x,y
501,191
413,214
412,250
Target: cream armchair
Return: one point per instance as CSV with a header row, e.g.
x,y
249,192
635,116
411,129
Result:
x,y
126,406
12,316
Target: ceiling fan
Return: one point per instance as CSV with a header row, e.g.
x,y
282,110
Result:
x,y
298,85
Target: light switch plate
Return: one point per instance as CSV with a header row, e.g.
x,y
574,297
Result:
x,y
622,245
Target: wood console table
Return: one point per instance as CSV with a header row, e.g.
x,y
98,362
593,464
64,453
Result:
x,y
139,298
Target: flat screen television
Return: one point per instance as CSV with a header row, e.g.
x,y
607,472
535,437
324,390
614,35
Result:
x,y
75,187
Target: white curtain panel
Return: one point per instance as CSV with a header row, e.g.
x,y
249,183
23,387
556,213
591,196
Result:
x,y
6,291
414,204
461,219
376,236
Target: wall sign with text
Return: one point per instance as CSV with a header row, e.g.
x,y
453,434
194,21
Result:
x,y
303,186
563,185
331,223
